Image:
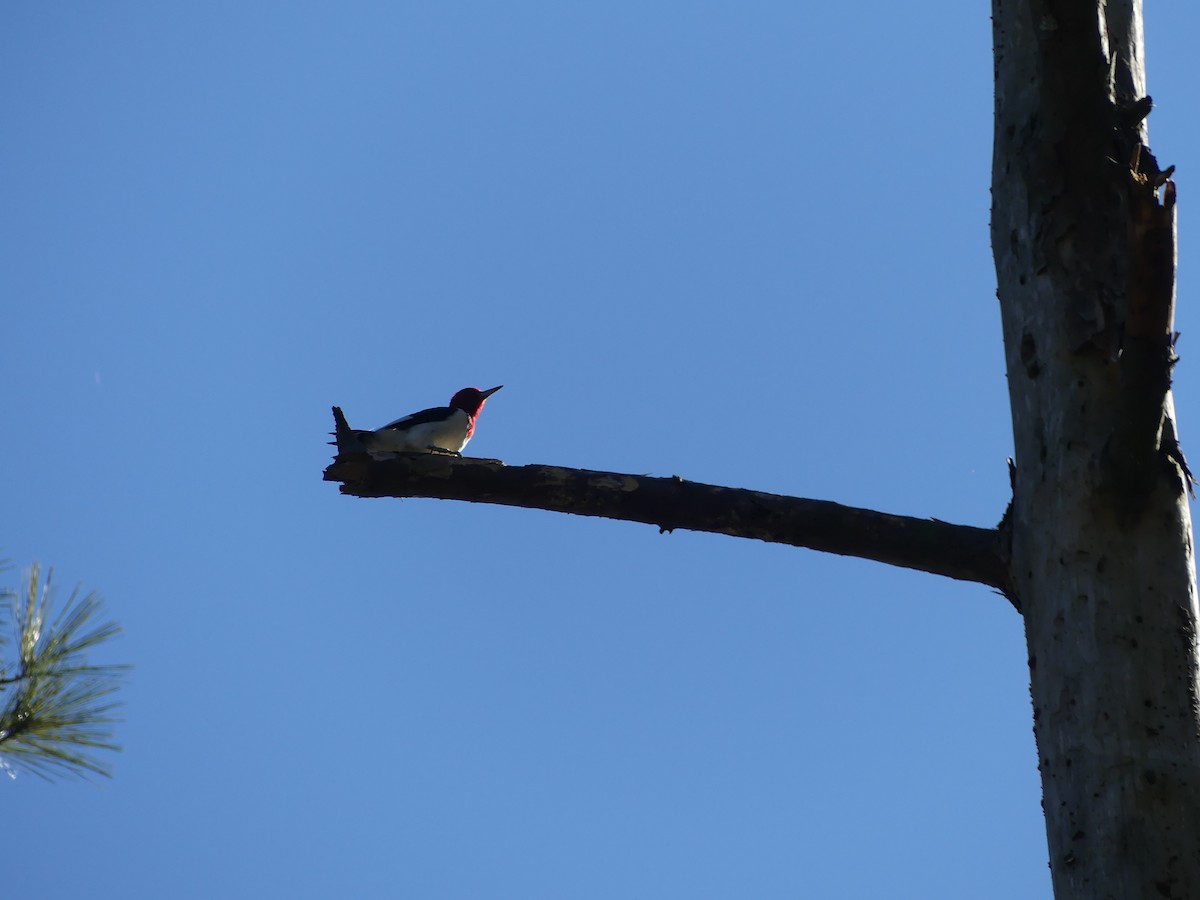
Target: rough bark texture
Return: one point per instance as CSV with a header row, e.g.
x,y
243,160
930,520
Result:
x,y
1083,237
956,551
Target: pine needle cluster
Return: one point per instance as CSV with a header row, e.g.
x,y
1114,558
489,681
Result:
x,y
56,708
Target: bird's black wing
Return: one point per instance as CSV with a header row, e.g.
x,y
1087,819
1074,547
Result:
x,y
433,414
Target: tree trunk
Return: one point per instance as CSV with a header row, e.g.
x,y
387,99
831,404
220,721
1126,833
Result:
x,y
1083,237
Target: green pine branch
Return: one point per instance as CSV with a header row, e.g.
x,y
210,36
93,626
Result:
x,y
56,707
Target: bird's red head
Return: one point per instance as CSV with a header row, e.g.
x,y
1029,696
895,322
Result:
x,y
471,400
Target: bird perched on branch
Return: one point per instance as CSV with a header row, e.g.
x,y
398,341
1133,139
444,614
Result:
x,y
442,429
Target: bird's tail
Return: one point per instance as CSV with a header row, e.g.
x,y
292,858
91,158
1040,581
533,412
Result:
x,y
345,438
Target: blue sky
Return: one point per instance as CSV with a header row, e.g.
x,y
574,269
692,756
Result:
x,y
744,244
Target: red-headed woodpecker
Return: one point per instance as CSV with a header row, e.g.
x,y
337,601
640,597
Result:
x,y
442,429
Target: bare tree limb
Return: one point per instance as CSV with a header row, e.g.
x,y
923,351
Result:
x,y
956,551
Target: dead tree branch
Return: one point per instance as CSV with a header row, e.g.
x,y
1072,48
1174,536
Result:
x,y
956,551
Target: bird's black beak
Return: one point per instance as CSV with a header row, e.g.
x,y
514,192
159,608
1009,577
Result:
x,y
489,393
